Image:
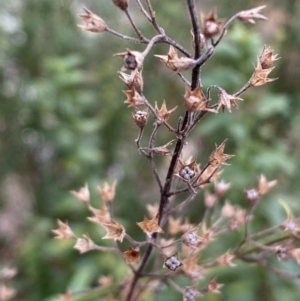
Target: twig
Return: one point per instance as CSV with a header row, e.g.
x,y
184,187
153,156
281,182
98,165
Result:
x,y
138,32
138,141
152,16
143,9
150,157
122,36
196,31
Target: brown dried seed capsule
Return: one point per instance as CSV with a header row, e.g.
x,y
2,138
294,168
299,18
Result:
x,y
122,4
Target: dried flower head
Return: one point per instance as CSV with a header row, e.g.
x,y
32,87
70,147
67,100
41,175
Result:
x,y
195,101
150,226
83,194
114,230
84,244
226,260
217,157
101,216
182,64
291,225
134,98
192,240
267,58
213,287
122,4
211,26
240,218
105,281
252,195
221,188
152,209
93,22
191,293
66,297
64,231
140,117
167,246
281,252
175,225
108,191
210,199
163,112
191,268
172,262
251,14
226,100
132,59
228,210
260,75
132,256
133,80
187,171
264,186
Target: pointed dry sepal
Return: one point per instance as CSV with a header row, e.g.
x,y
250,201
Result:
x,y
218,158
191,268
186,171
213,287
152,209
163,150
173,262
167,59
83,194
66,297
267,58
251,14
163,112
133,80
221,188
182,64
107,191
226,100
134,98
260,75
239,219
174,225
150,226
101,216
93,22
226,260
121,4
264,186
64,231
140,117
114,230
132,256
195,101
210,199
191,293
132,59
211,26
228,210
84,244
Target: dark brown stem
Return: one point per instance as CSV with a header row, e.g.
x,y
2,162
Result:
x,y
196,31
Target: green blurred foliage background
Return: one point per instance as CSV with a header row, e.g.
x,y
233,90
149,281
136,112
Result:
x,y
63,123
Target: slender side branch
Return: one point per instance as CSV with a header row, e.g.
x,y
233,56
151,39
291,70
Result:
x,y
137,31
122,36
